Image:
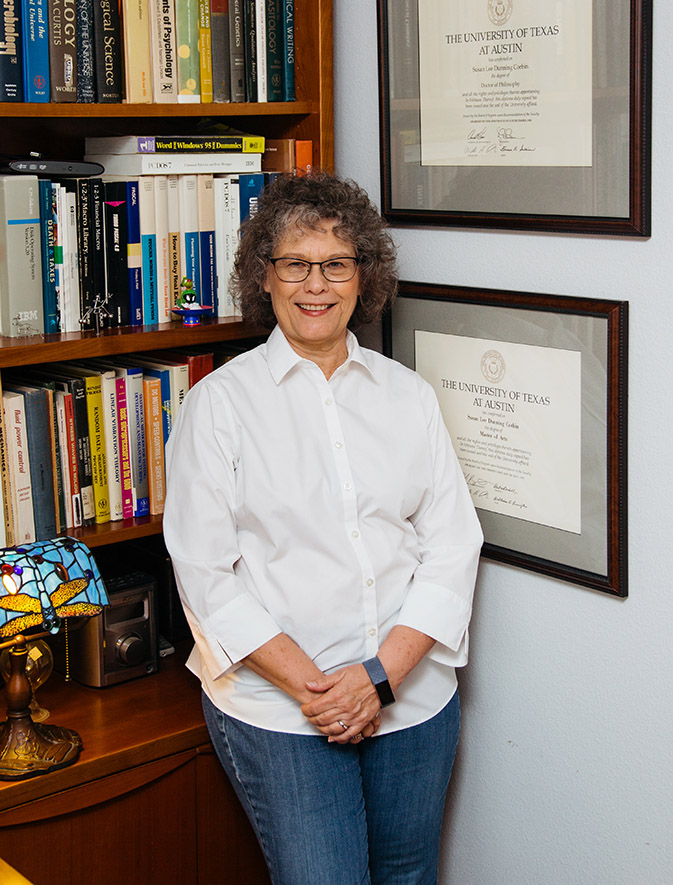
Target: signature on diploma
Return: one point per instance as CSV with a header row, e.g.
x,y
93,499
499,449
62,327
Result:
x,y
502,140
480,490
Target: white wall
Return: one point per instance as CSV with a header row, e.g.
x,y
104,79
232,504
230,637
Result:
x,y
565,767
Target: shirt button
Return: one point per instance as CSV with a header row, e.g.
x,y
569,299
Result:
x,y
370,582
356,534
338,444
328,402
372,632
348,486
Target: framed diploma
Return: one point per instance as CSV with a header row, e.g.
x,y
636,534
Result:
x,y
516,114
532,389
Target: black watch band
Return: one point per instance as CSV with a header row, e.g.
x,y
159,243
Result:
x,y
379,679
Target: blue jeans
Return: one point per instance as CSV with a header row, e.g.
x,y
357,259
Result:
x,y
338,814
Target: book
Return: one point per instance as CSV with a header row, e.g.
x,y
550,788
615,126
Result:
x,y
62,52
178,164
189,60
132,374
68,441
148,241
38,429
124,446
304,156
226,239
162,254
136,40
178,381
175,144
86,71
279,155
58,221
74,385
85,248
207,255
134,253
116,264
19,466
154,437
250,49
174,249
250,187
108,51
205,52
94,404
237,50
49,306
260,38
6,511
21,300
199,361
11,52
112,460
163,51
219,27
69,226
91,320
35,51
56,454
287,49
189,229
274,49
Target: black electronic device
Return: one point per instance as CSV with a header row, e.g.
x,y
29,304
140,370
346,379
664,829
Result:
x,y
54,168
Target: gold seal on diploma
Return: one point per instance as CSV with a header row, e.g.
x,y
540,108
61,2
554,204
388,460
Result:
x,y
499,11
493,366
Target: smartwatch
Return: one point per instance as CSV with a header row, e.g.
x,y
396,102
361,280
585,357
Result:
x,y
379,679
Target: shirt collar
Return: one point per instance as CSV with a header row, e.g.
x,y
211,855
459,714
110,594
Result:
x,y
281,357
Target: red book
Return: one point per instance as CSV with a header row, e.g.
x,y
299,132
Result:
x,y
124,452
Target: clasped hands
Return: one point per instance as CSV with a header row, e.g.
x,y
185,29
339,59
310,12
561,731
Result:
x,y
348,698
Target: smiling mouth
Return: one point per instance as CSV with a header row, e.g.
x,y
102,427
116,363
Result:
x,y
315,308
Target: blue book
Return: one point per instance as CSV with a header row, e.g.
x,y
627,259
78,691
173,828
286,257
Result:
x,y
250,186
148,249
189,228
51,318
11,58
206,201
287,52
134,254
35,51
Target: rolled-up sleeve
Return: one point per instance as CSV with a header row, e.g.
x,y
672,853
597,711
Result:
x,y
227,621
439,601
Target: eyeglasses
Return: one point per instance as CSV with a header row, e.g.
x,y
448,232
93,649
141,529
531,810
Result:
x,y
296,270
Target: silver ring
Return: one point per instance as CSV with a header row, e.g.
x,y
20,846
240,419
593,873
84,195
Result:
x,y
342,724
357,738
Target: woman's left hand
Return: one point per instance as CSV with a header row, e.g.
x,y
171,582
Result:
x,y
347,706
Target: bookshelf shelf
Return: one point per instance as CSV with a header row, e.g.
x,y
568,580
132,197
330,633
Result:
x,y
120,530
229,109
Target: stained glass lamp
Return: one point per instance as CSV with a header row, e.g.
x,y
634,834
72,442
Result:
x,y
40,585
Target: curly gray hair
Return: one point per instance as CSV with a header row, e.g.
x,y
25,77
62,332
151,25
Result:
x,y
305,202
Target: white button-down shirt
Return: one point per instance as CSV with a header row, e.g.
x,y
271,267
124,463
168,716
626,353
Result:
x,y
327,510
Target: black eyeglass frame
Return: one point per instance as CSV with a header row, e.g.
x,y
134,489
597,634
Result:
x,y
309,265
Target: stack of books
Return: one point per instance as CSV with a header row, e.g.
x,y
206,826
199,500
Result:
x,y
147,51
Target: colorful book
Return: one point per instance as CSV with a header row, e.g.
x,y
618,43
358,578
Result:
x,y
6,511
35,51
219,27
131,165
205,52
163,53
124,447
116,263
85,248
237,50
71,258
189,229
155,444
21,298
162,253
108,52
287,43
86,65
178,381
19,466
279,155
68,445
207,255
250,187
108,381
137,63
75,386
174,249
136,447
175,144
11,52
49,306
274,49
304,156
189,59
260,38
95,414
57,219
134,253
62,53
97,253
199,361
148,242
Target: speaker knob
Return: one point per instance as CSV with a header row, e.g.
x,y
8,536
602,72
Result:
x,y
131,650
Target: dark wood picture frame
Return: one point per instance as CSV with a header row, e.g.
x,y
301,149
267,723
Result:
x,y
598,330
612,197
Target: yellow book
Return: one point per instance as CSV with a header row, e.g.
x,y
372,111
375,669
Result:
x,y
155,443
94,408
137,58
205,51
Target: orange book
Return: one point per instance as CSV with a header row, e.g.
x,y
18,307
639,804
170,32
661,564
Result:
x,y
303,149
155,444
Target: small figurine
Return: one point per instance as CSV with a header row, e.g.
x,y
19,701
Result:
x,y
188,298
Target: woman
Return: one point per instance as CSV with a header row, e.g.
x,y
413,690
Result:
x,y
325,547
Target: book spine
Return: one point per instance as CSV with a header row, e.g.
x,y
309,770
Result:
x,y
189,60
21,299
7,512
138,447
35,51
161,216
207,257
224,245
134,254
219,26
137,63
62,50
163,51
250,187
38,438
174,240
19,461
260,38
148,241
94,404
250,45
11,52
274,47
235,226
97,254
116,266
169,144
108,51
58,250
237,50
73,470
287,51
83,447
304,155
155,445
164,378
64,454
56,463
124,449
130,165
86,73
189,229
85,244
205,52
50,310
72,304
113,463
